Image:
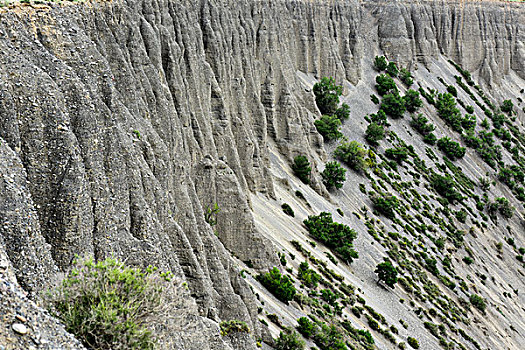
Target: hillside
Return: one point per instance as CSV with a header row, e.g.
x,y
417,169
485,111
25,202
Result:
x,y
123,124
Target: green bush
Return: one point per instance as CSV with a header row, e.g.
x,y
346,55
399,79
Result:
x,y
468,122
352,154
279,285
108,305
421,124
393,105
343,112
328,126
385,84
507,106
447,110
327,95
309,277
452,90
289,340
430,138
451,148
406,77
301,168
380,63
392,70
399,153
469,109
306,327
413,342
333,175
287,209
334,235
478,302
412,100
374,133
387,273
445,186
330,338
386,205
379,118
233,326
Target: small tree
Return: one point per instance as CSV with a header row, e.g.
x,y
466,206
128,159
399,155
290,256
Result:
x,y
289,340
386,205
451,148
406,77
412,100
380,63
507,106
301,168
393,105
399,153
478,302
352,154
328,126
392,70
279,285
385,84
387,273
379,118
343,112
333,175
374,133
306,327
327,95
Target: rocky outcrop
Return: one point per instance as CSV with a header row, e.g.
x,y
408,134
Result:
x,y
122,122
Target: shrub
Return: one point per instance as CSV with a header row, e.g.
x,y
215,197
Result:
x,y
333,175
329,338
374,99
447,110
393,105
374,133
334,235
309,277
379,118
306,327
468,122
412,100
380,63
478,302
289,340
387,273
451,148
452,90
108,305
413,342
469,109
507,106
406,77
279,285
385,84
498,120
327,95
343,112
301,168
352,154
233,326
430,138
386,205
392,70
287,209
399,154
421,124
444,185
328,126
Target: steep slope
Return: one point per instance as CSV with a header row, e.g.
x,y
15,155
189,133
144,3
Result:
x,y
123,123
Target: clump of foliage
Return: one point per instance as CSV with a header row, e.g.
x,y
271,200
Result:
x,y
279,285
287,209
507,106
327,95
333,175
343,112
385,84
301,168
451,148
413,342
309,277
380,63
478,302
108,305
424,127
445,186
412,100
393,105
386,205
503,206
328,126
337,236
289,340
233,326
452,90
387,273
379,118
447,110
406,77
399,153
392,69
306,327
374,133
352,154
329,338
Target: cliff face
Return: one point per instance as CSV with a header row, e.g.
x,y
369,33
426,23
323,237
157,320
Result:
x,y
122,123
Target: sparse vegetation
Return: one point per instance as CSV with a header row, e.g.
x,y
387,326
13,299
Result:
x,y
328,127
279,285
333,175
352,154
301,168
